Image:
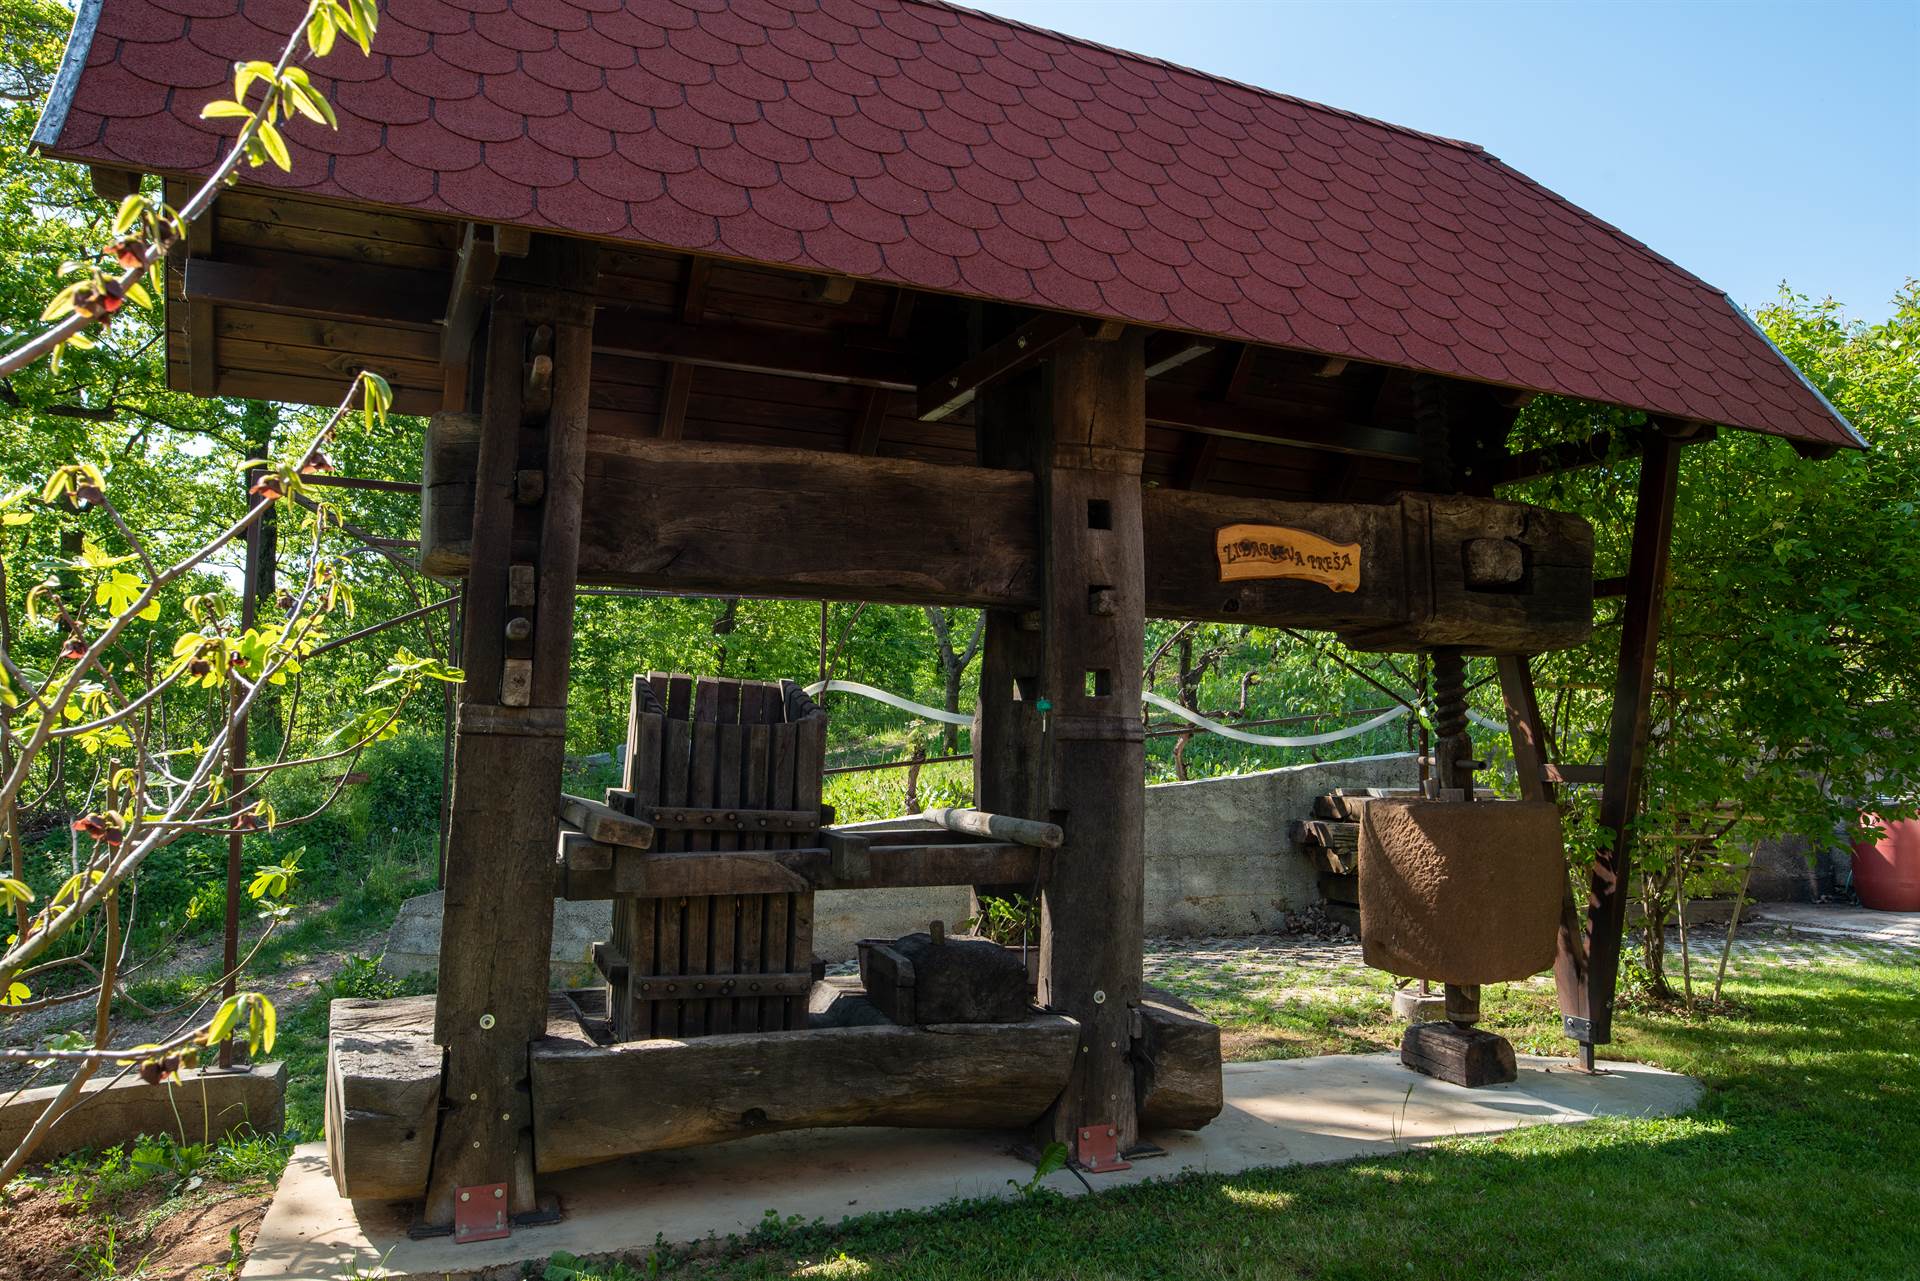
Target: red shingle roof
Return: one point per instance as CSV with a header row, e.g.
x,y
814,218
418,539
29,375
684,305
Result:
x,y
939,148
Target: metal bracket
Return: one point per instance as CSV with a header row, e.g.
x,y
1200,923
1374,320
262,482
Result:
x,y
480,1213
1097,1150
1576,1028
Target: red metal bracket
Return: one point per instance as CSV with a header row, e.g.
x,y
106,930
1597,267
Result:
x,y
480,1213
1098,1150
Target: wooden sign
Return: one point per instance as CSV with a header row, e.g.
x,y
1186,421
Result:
x,y
1274,551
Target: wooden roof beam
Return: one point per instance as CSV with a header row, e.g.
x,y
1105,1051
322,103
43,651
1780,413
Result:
x,y
954,390
1171,407
1571,455
1167,351
370,294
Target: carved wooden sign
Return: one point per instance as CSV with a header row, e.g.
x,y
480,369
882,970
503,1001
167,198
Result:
x,y
1275,551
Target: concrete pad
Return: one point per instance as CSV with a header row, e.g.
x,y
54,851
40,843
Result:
x,y
1835,921
1291,1112
203,1104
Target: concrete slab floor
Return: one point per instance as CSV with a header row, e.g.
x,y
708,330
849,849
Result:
x,y
1840,921
1286,1112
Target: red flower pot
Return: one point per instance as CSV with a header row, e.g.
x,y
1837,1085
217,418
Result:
x,y
1886,874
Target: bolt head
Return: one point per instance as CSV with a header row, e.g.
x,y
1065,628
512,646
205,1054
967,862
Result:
x,y
486,1022
498,1193
466,1196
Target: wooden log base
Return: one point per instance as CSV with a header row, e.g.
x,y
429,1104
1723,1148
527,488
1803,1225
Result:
x,y
594,1102
1462,1055
598,1103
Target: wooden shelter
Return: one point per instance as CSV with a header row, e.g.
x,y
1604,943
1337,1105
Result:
x,y
890,300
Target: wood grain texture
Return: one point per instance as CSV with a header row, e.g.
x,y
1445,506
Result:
x,y
383,1096
738,518
596,1104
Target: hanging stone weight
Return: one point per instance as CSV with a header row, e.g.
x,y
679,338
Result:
x,y
1458,893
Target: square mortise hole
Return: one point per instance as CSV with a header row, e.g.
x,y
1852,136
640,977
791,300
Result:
x,y
1099,682
1026,689
1099,514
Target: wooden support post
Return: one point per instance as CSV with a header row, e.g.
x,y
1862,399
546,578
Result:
x,y
1093,636
517,642
1627,735
1529,733
1009,768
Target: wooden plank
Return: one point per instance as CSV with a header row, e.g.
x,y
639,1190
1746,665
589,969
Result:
x,y
750,938
716,1088
604,824
383,295
777,910
701,822
726,911
492,996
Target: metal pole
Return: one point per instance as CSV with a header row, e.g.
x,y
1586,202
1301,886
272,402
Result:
x,y
236,761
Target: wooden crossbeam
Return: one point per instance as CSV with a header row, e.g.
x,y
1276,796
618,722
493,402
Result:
x,y
899,530
1573,455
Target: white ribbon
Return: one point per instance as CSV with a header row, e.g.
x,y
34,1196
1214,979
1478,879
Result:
x,y
818,688
1270,740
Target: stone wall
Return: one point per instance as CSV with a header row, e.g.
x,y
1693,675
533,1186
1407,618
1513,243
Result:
x,y
1218,865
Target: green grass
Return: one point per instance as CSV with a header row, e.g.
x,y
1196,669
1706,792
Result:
x,y
1803,1160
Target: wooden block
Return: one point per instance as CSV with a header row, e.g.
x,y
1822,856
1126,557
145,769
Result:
x,y
918,980
383,1096
1176,1065
1463,1055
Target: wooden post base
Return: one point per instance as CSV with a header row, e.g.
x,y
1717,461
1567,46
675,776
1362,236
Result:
x,y
1463,1055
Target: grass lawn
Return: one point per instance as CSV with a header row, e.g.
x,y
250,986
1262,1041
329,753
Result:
x,y
1802,1161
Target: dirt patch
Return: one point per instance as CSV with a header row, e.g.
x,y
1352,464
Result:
x,y
53,1234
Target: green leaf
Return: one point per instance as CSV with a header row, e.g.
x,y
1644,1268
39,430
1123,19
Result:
x,y
131,209
222,109
17,994
276,146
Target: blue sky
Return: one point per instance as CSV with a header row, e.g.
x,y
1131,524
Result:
x,y
1751,143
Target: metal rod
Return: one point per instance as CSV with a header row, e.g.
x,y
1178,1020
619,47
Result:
x,y
363,482
395,621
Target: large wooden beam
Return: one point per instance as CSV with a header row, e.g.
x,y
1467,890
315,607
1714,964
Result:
x,y
673,516
595,1103
517,642
1093,618
388,295
1610,886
